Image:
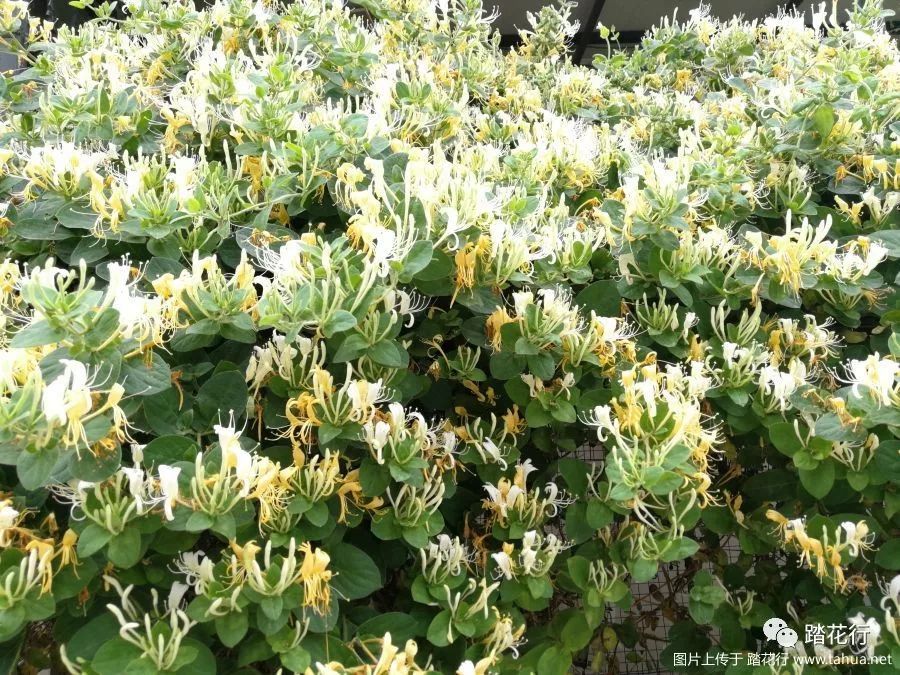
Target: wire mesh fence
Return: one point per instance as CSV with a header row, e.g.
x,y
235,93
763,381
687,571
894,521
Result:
x,y
631,640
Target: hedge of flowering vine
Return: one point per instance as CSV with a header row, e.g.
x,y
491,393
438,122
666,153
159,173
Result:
x,y
309,312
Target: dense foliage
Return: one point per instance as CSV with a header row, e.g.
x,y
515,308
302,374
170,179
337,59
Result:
x,y
328,330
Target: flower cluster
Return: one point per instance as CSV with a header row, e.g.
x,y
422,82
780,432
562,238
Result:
x,y
328,328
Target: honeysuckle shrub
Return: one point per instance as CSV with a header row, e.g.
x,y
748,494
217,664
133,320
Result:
x,y
336,339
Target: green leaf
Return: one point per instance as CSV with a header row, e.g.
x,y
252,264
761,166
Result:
x,y
125,548
141,666
577,527
784,438
9,655
239,328
338,322
272,606
222,394
601,296
662,482
888,555
541,365
823,120
643,570
681,549
225,525
819,481
506,366
96,467
104,325
114,657
163,412
388,353
71,580
438,629
417,537
140,378
198,522
804,461
34,469
773,485
598,514
297,659
373,477
580,570
328,433
318,514
76,216
92,539
386,528
890,239
575,472
37,334
536,416
564,412
255,648
418,258
202,662
327,648
357,574
829,427
554,662
183,341
169,450
524,348
402,627
351,347
576,633
11,622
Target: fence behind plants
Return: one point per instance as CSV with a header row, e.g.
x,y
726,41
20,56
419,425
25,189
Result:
x,y
641,630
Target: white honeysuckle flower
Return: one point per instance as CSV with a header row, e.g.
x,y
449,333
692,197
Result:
x,y
136,485
364,395
823,652
444,558
690,320
176,594
9,517
493,452
504,565
196,568
83,486
15,367
235,458
182,177
136,627
890,603
781,385
858,536
870,628
137,452
601,417
892,593
168,486
878,375
406,304
503,636
521,301
377,435
398,414
61,167
68,393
